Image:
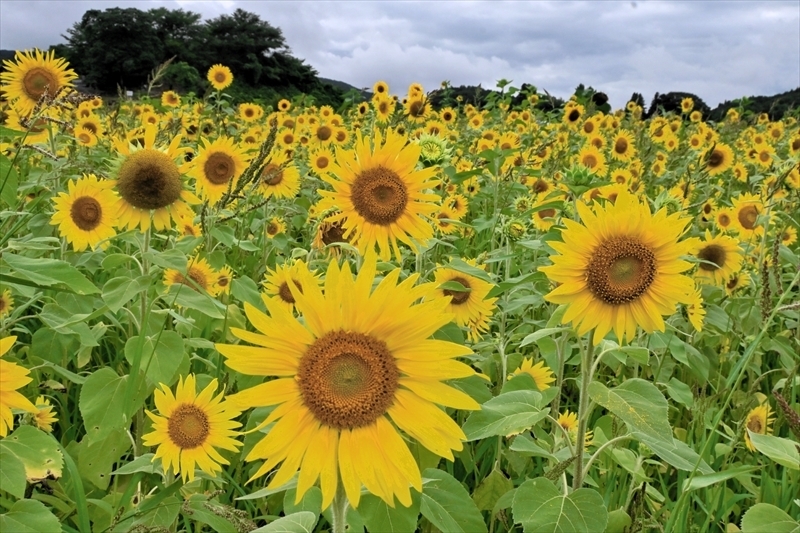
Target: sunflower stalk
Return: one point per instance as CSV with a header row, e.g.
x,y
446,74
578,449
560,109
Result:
x,y
584,410
339,510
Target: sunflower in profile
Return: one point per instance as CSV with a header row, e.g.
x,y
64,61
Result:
x,y
758,420
220,77
620,268
467,299
350,377
736,282
12,378
150,183
198,276
44,418
190,427
31,75
569,423
380,195
87,214
217,167
277,282
279,177
746,210
719,257
6,303
541,373
695,310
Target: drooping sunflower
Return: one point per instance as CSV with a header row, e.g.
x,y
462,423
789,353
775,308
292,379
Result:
x,y
279,177
350,375
746,210
12,378
620,268
216,167
380,196
87,214
470,305
190,427
277,282
198,276
33,74
6,303
720,257
150,183
44,418
220,77
541,373
759,420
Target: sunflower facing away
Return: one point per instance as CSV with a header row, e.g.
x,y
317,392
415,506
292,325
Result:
x,y
12,377
381,198
31,75
720,257
87,214
349,376
217,167
620,268
189,427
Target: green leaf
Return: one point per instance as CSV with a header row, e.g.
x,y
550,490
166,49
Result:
x,y
12,475
378,516
96,459
618,521
52,346
201,514
491,489
119,291
49,273
312,501
700,482
263,493
36,450
143,463
536,335
680,392
173,258
450,332
9,181
302,522
525,445
638,403
447,505
766,518
102,403
29,516
160,363
782,451
453,286
245,289
541,508
161,517
508,413
675,452
185,296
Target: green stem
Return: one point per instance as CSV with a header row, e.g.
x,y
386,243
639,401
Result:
x,y
339,510
583,411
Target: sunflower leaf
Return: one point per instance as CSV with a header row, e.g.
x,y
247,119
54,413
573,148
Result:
x,y
50,273
506,414
540,507
29,516
782,451
302,522
767,518
380,517
446,503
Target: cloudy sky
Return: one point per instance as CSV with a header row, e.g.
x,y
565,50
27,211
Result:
x,y
718,50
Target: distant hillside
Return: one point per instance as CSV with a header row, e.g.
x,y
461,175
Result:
x,y
345,87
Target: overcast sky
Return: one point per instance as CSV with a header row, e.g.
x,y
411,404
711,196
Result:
x,y
718,50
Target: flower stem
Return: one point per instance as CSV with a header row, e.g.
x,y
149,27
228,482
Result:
x,y
583,411
339,510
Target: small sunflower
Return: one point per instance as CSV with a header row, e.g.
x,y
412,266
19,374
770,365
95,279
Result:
x,y
758,421
220,77
190,427
687,104
284,105
723,218
170,99
276,282
746,210
736,282
31,75
12,378
380,88
788,238
541,373
199,276
87,214
217,167
695,310
569,422
44,418
274,226
719,256
469,304
417,109
250,112
6,303
622,146
543,219
279,177
572,115
222,283
620,268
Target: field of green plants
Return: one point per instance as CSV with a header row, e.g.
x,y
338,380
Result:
x,y
235,316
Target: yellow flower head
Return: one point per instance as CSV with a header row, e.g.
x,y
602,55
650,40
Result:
x,y
758,420
540,373
12,378
220,77
87,214
32,75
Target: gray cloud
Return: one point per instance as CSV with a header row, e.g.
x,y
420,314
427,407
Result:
x,y
717,50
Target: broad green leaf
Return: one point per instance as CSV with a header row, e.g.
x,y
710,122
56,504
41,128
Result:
x,y
159,362
29,516
536,335
245,289
12,474
491,489
312,501
143,463
782,451
525,445
102,402
185,296
675,452
638,403
50,272
699,482
159,518
302,522
450,332
36,450
119,291
197,503
378,516
766,518
447,505
476,387
541,508
54,347
508,413
680,392
9,181
96,459
263,493
173,258
618,521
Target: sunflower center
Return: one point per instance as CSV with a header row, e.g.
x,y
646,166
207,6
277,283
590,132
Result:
x,y
38,80
713,256
589,161
188,426
715,159
196,275
620,270
219,168
324,133
285,293
272,174
332,232
322,162
348,379
416,108
459,297
724,220
547,213
574,115
219,77
621,145
86,213
754,425
149,179
540,186
747,216
379,195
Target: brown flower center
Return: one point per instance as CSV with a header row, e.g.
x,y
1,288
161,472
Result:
x,y
747,216
188,426
716,159
324,133
219,168
540,186
620,270
149,179
285,293
347,379
589,161
574,115
272,174
459,297
86,213
38,80
220,77
332,232
379,195
755,425
713,256
621,146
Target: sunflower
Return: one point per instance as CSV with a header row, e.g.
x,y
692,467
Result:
x,y
718,159
469,303
170,99
31,75
695,310
321,160
87,214
443,221
719,256
459,204
736,282
723,218
448,115
380,195
38,131
687,104
6,303
380,88
417,109
12,377
274,226
150,182
569,423
543,219
758,421
250,112
199,276
86,138
622,147
592,159
345,373
384,108
747,208
541,373
220,77
92,124
217,167
279,177
222,283
44,418
764,155
276,282
788,237
620,268
284,105
190,427
572,115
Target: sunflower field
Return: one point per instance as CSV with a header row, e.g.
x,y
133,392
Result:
x,y
390,318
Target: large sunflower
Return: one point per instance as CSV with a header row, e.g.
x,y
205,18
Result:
x,y
86,216
190,427
470,306
217,167
348,373
12,377
31,75
381,198
721,257
150,181
620,268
